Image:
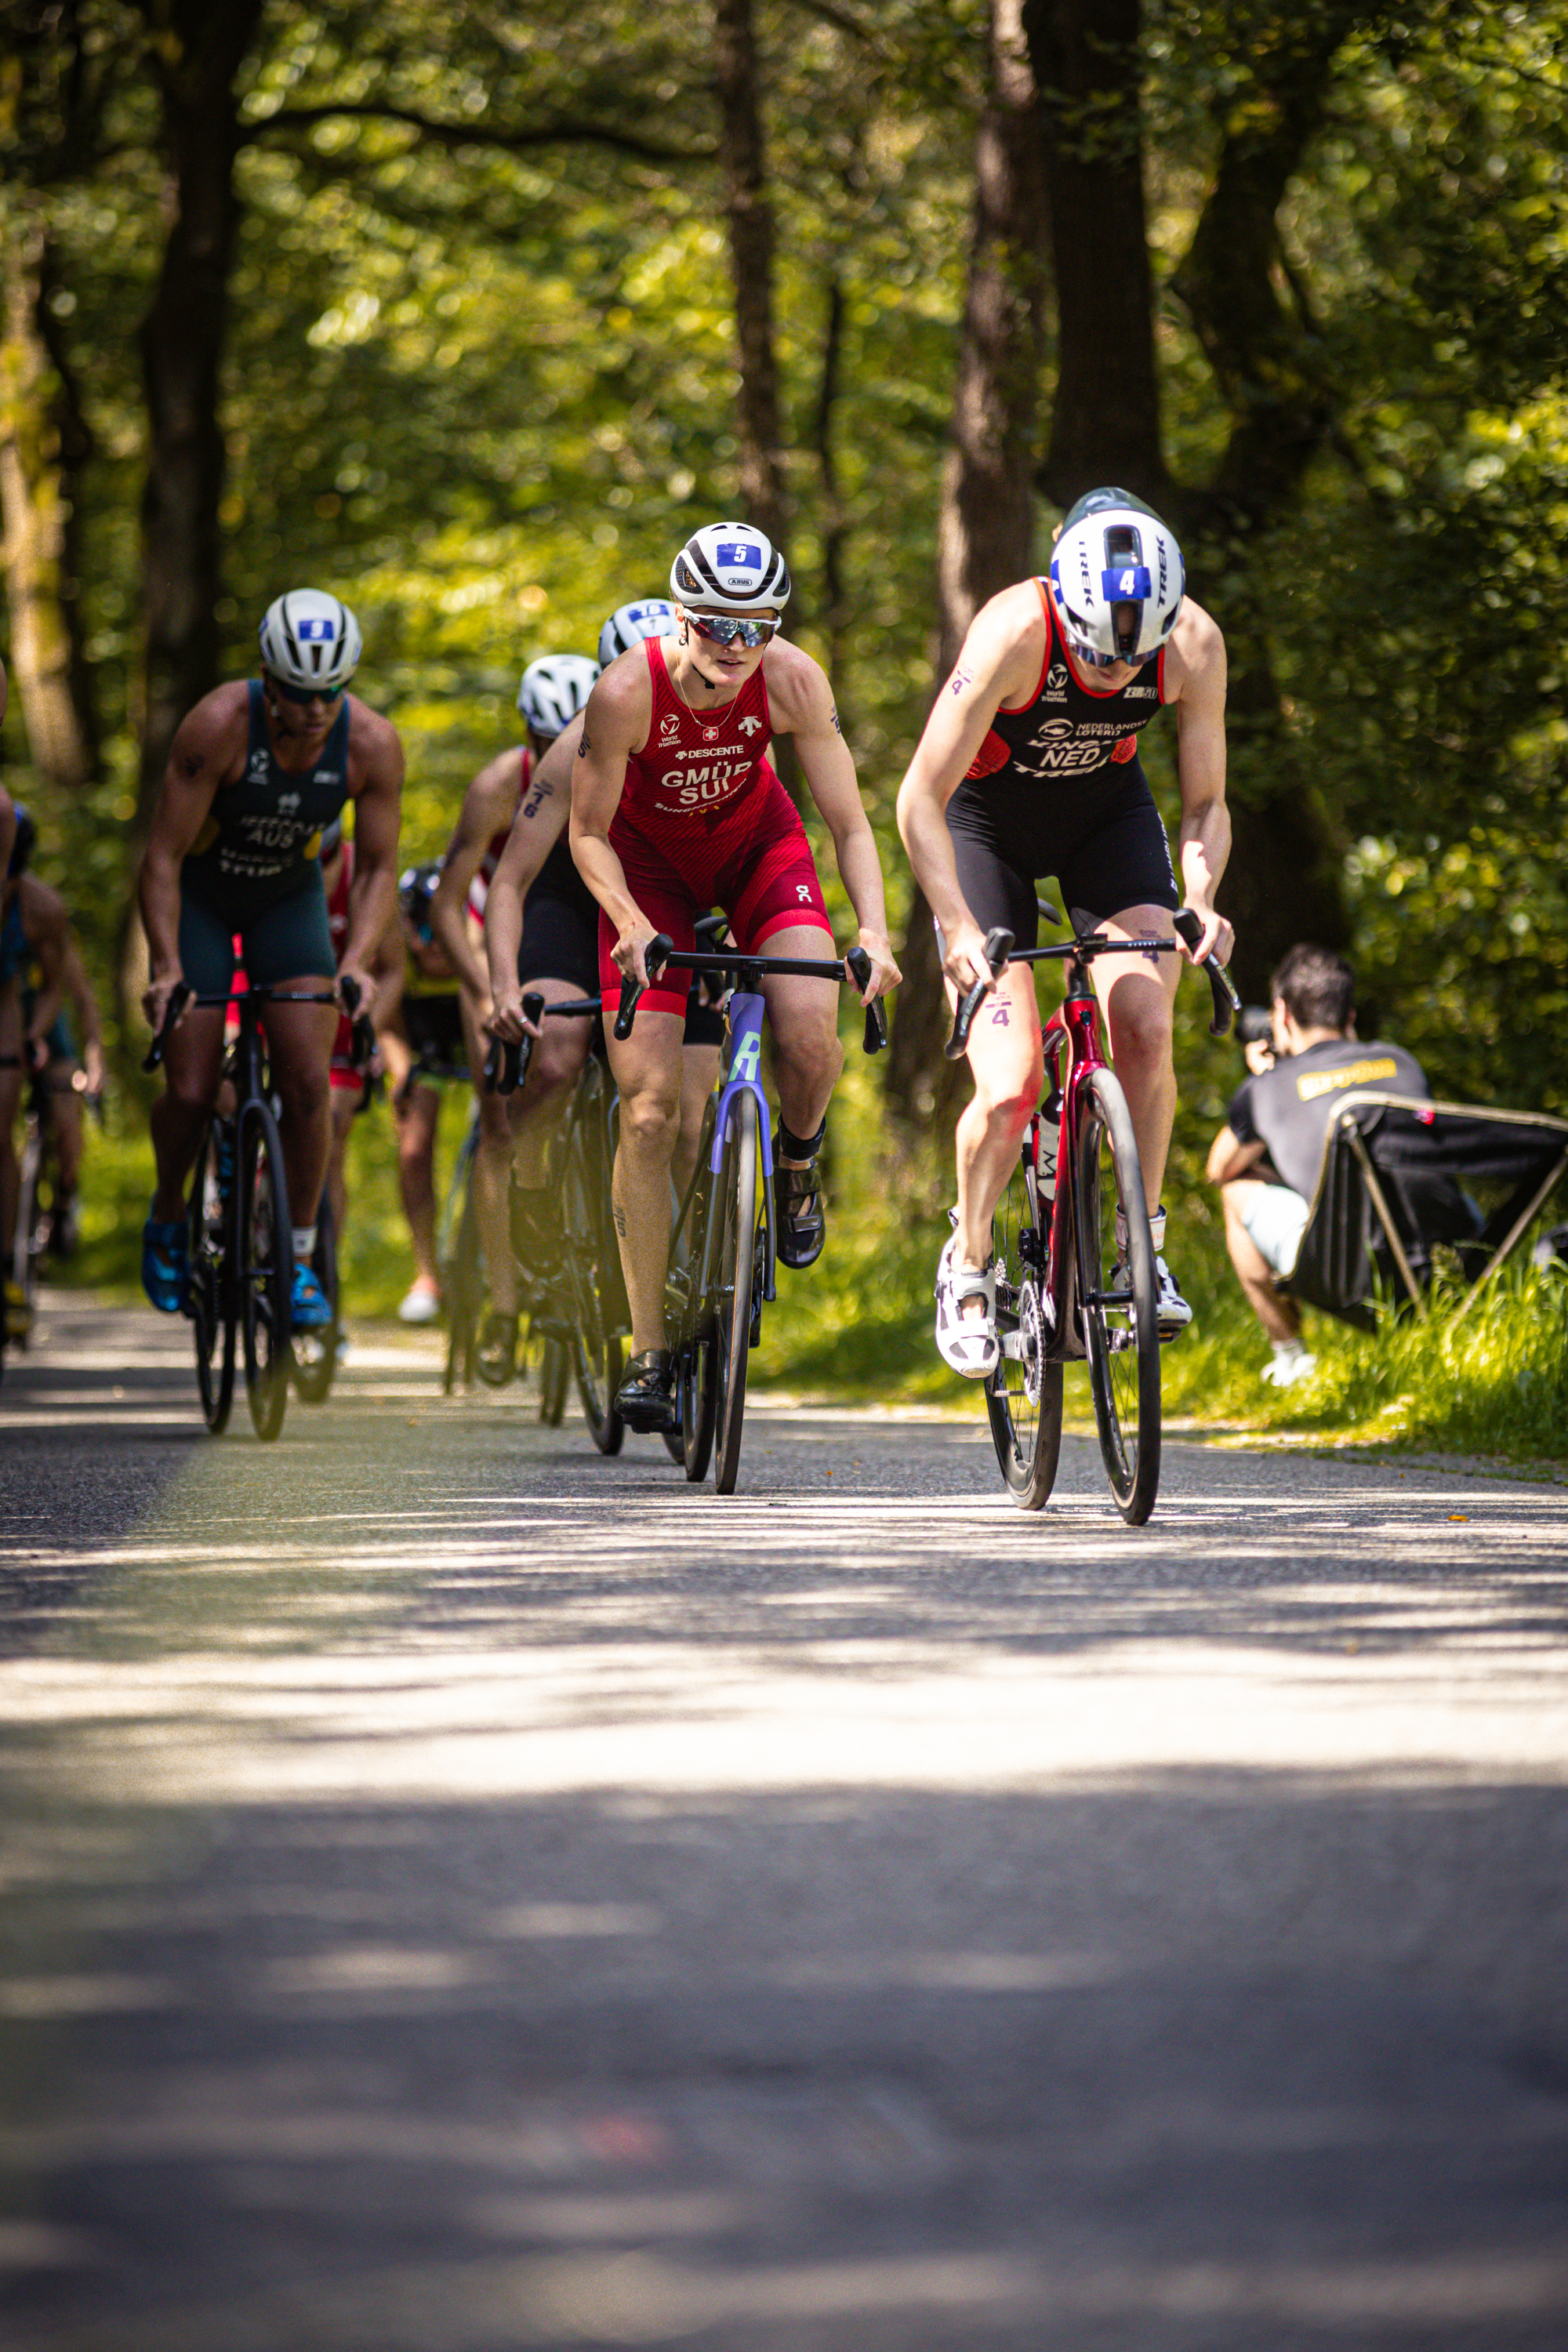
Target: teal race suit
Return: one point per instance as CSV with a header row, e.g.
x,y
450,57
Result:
x,y
254,871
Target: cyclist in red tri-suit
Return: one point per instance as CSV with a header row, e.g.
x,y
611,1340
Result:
x,y
676,808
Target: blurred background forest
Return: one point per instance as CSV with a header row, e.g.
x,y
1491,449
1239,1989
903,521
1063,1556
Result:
x,y
470,315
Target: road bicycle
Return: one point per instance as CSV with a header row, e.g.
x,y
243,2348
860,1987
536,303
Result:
x,y
315,1354
40,1204
241,1245
1069,1284
723,1252
581,1313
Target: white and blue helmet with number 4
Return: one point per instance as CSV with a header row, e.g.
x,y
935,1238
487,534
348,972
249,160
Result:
x,y
630,625
731,568
311,641
1119,579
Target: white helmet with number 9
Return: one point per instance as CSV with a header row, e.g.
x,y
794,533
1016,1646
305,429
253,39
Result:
x,y
731,568
311,641
1119,579
554,688
629,625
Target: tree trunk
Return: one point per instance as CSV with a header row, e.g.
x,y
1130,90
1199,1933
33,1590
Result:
x,y
751,219
196,51
43,441
986,524
1105,419
835,528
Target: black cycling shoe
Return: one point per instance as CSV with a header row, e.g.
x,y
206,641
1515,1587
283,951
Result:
x,y
646,1397
798,1220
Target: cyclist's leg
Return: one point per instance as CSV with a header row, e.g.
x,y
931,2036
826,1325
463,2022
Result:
x,y
492,1175
344,1102
65,1105
558,955
647,1068
193,1062
1122,872
1005,1058
289,947
417,1112
702,1043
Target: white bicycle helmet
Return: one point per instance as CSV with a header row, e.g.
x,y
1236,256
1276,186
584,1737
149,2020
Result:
x,y
731,568
311,641
1119,579
554,688
628,624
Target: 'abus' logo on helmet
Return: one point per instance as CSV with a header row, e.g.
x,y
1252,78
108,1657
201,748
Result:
x,y
319,632
734,555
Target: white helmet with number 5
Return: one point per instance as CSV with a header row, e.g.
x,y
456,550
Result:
x,y
731,568
1119,579
311,641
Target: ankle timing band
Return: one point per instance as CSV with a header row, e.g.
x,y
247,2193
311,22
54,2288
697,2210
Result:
x,y
791,1147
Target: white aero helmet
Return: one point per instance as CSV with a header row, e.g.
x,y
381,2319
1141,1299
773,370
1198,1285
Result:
x,y
1119,579
311,641
554,688
732,567
628,624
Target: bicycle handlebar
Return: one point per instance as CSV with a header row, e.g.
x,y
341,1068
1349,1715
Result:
x,y
183,996
1226,1003
662,951
179,998
506,1064
998,949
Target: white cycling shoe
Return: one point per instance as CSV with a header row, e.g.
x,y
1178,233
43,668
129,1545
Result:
x,y
422,1303
969,1344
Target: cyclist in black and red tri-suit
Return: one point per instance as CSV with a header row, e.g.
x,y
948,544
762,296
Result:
x,y
1028,768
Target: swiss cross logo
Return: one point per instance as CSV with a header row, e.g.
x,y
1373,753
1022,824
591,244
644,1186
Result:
x,y
319,632
734,555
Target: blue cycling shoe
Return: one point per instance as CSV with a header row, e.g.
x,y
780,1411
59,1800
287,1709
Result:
x,y
165,1271
308,1309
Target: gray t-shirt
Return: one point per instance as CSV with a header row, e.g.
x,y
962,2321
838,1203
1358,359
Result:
x,y
1289,1107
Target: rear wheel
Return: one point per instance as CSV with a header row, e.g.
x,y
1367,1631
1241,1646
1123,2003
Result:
x,y
28,1240
316,1352
213,1304
554,1378
1117,1300
266,1267
1023,1395
736,1270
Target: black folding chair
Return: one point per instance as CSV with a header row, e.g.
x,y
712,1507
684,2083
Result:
x,y
1401,1177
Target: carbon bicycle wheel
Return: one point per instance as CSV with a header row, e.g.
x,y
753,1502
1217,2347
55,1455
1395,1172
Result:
x,y
1023,1395
737,1205
461,1269
26,1245
266,1267
596,1352
1118,1304
213,1307
316,1352
554,1378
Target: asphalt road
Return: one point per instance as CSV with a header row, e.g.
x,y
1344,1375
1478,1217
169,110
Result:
x,y
458,1895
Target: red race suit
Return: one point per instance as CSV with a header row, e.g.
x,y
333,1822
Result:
x,y
704,821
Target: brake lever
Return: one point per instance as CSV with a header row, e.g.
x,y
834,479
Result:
x,y
659,949
178,1000
858,963
998,947
1189,926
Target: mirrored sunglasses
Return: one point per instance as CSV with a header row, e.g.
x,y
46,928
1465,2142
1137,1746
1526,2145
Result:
x,y
723,629
307,693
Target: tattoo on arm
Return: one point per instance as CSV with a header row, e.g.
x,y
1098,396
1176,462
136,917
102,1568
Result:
x,y
961,681
191,764
583,746
838,726
536,799
621,1222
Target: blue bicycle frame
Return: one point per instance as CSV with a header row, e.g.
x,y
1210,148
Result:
x,y
743,1037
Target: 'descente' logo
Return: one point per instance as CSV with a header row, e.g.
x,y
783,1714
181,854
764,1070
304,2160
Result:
x,y
749,726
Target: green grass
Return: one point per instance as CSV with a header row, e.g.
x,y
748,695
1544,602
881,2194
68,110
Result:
x,y
858,1324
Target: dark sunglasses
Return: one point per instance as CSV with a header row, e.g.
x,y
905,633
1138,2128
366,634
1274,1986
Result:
x,y
723,629
305,693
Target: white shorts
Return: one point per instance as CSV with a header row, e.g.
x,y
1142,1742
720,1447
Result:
x,y
1276,1218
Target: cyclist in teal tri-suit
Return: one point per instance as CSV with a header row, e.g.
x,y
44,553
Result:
x,y
256,771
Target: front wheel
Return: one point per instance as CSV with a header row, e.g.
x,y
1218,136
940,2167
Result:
x,y
461,1268
1117,1299
1023,1395
737,1205
266,1267
591,1279
212,1304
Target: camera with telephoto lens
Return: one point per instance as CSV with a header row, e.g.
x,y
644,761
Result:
x,y
1255,1026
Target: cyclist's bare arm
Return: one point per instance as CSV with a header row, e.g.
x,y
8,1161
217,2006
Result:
x,y
1196,659
489,806
542,816
999,662
378,815
615,726
800,700
7,807
208,747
